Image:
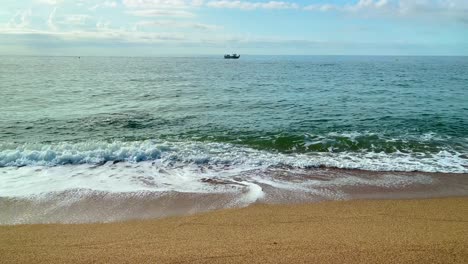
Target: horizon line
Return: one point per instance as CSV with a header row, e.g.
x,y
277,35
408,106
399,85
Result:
x,y
242,54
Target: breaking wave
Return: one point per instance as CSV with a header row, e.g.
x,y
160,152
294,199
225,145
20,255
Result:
x,y
226,154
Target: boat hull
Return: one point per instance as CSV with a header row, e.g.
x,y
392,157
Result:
x,y
231,56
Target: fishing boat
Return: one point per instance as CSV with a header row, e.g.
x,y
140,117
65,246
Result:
x,y
231,56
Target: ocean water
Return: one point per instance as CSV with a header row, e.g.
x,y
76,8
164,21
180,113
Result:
x,y
211,133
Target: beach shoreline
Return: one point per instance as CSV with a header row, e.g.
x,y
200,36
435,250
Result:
x,y
359,231
214,192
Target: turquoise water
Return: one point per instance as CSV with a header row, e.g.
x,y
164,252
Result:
x,y
104,139
412,107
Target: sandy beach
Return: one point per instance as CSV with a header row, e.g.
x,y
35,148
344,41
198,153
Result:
x,y
367,231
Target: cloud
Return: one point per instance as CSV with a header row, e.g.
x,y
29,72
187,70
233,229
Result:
x,y
361,5
399,8
175,24
105,4
21,19
49,2
185,4
50,20
252,5
108,41
198,2
447,7
164,4
161,13
161,8
76,19
101,34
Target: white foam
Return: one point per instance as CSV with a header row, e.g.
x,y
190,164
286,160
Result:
x,y
219,153
122,177
181,166
254,193
331,187
147,176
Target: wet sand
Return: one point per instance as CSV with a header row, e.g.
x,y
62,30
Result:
x,y
372,231
273,186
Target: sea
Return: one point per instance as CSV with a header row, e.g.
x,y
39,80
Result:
x,y
102,139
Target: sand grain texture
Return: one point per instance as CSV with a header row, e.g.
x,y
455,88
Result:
x,y
376,231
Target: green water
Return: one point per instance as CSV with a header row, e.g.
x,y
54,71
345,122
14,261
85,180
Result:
x,y
291,105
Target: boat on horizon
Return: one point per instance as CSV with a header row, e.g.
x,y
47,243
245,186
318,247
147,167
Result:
x,y
232,56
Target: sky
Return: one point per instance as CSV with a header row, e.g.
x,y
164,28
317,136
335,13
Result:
x,y
208,27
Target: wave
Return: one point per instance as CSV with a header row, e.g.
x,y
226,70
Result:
x,y
78,153
348,142
98,181
123,191
226,154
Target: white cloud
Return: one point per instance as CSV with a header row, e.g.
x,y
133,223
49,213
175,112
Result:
x,y
184,4
76,19
105,4
101,34
175,24
165,4
50,20
361,5
252,5
166,15
161,13
434,6
321,7
447,8
198,2
21,19
49,2
161,8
